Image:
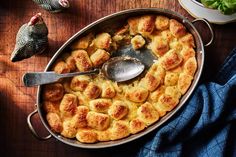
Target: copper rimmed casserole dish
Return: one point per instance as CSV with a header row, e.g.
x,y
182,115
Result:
x,y
112,22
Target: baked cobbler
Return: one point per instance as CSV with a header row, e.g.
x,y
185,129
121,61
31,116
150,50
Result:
x,y
93,108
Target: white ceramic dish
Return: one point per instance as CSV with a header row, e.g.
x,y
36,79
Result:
x,y
197,10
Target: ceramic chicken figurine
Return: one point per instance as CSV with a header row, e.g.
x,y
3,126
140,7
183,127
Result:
x,y
31,39
53,5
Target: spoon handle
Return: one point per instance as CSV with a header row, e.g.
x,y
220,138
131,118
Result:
x,y
95,71
41,78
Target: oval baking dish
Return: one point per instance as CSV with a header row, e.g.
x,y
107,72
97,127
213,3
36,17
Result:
x,y
114,21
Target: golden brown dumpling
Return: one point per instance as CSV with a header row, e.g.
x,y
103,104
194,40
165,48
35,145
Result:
x,y
100,105
137,94
160,108
167,35
53,92
99,57
173,91
92,91
158,71
79,119
82,99
133,25
120,129
177,69
171,60
162,23
187,53
67,87
54,122
177,28
137,42
136,125
92,48
176,45
118,110
154,96
68,105
83,42
132,107
147,113
150,82
82,60
51,106
190,66
146,24
70,61
168,101
103,41
61,67
108,90
86,136
159,46
103,135
98,121
79,83
187,40
165,103
184,82
171,79
69,129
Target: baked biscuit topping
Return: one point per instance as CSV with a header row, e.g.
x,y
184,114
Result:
x,y
93,108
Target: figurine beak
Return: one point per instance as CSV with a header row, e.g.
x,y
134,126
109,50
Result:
x,y
18,54
15,57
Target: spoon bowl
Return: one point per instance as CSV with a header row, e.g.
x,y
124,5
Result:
x,y
118,69
122,69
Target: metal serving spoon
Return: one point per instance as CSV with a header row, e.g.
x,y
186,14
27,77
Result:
x,y
118,69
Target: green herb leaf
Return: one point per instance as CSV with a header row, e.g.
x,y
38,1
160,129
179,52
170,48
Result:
x,y
225,6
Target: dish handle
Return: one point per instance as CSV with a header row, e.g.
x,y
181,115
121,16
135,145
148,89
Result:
x,y
29,119
210,29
